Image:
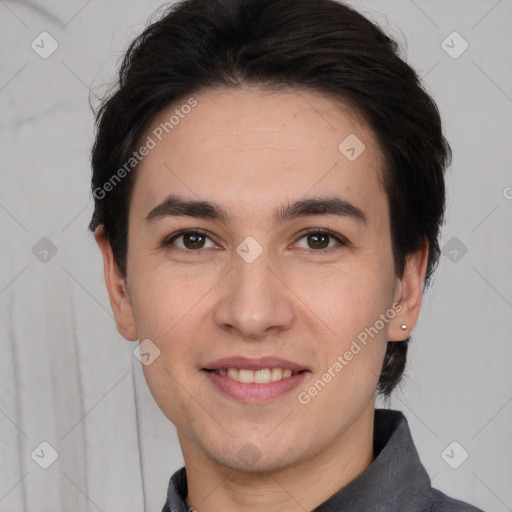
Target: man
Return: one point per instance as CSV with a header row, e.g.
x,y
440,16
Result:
x,y
268,183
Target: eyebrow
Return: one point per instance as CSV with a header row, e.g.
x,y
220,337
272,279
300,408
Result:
x,y
175,206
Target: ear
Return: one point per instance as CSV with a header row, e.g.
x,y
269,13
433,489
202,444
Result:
x,y
408,294
119,299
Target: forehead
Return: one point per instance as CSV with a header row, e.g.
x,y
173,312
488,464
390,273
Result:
x,y
259,146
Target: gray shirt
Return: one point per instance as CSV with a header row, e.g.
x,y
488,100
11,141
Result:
x,y
396,481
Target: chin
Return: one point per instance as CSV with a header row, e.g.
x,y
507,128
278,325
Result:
x,y
259,465
257,455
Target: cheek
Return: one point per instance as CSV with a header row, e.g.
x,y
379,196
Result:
x,y
350,307
347,300
163,299
168,310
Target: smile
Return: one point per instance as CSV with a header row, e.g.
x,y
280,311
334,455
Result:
x,y
261,376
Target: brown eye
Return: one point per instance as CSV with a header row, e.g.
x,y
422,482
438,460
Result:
x,y
318,240
190,241
193,241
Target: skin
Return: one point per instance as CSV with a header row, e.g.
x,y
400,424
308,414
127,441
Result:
x,y
251,152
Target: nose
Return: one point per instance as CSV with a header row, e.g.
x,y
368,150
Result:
x,y
255,300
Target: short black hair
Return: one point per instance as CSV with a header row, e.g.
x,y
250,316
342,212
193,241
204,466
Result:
x,y
323,46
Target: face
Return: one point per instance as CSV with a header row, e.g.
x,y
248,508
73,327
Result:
x,y
282,267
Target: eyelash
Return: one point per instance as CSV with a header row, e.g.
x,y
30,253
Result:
x,y
340,239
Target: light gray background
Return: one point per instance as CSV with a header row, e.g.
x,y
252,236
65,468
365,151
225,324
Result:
x,y
68,378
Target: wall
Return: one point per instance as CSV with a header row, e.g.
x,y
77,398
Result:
x,y
66,376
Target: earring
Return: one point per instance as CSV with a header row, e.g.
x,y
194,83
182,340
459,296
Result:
x,y
403,327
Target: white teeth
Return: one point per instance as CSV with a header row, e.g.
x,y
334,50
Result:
x,y
261,376
233,374
246,376
277,374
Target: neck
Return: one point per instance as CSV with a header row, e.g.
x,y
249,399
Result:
x,y
302,486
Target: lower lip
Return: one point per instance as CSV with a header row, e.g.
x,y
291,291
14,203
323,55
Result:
x,y
253,392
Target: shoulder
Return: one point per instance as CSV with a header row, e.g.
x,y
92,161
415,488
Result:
x,y
443,503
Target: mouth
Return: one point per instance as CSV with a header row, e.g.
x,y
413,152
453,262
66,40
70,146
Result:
x,y
254,380
260,376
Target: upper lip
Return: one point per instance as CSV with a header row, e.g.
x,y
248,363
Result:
x,y
244,363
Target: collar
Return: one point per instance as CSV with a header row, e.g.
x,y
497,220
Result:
x,y
395,481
